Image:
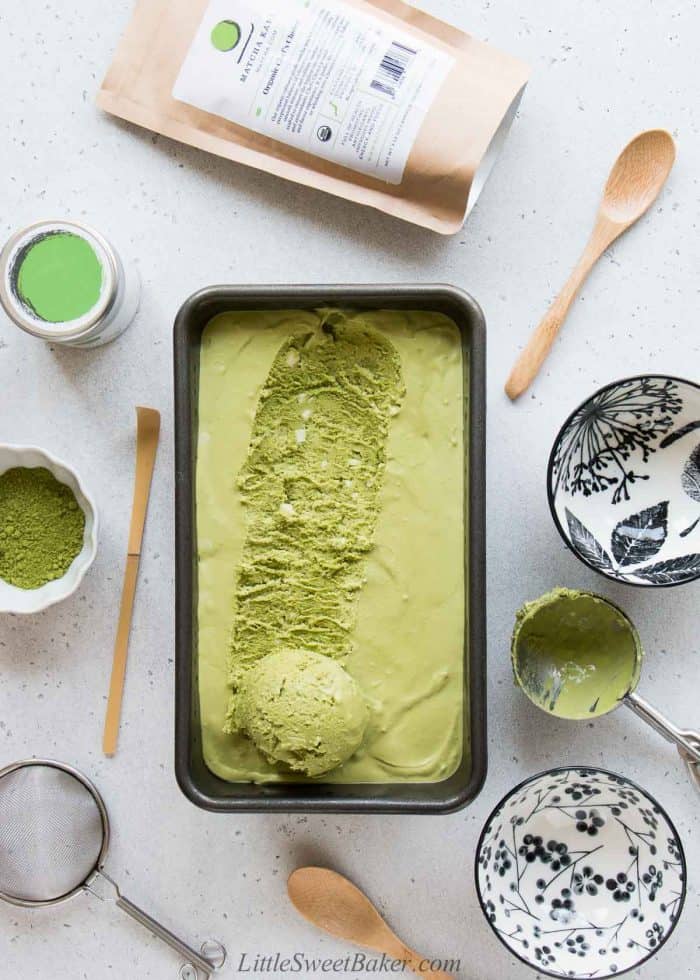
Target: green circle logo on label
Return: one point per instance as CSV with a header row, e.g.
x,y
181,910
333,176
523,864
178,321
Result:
x,y
226,35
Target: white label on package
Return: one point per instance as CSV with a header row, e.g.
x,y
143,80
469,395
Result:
x,y
318,75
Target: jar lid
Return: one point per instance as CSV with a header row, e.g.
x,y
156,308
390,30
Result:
x,y
19,306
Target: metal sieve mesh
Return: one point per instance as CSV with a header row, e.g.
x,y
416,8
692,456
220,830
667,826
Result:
x,y
52,833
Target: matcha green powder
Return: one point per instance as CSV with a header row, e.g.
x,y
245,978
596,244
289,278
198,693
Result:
x,y
41,527
60,277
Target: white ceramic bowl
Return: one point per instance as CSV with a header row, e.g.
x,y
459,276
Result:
x,y
580,873
14,600
624,481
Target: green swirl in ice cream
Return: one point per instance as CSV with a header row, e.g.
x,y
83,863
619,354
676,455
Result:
x,y
310,486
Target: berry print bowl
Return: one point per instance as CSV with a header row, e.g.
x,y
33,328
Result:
x,y
580,873
623,481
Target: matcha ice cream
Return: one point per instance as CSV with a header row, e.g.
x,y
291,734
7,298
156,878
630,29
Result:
x,y
328,495
310,486
301,709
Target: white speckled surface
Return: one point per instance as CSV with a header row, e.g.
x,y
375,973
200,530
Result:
x,y
602,71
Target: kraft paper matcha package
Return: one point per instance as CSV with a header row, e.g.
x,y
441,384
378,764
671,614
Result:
x,y
371,100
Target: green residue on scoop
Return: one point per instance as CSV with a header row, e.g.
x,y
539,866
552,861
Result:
x,y
59,277
310,485
303,710
41,527
575,654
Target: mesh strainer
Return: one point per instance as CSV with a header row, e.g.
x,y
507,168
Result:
x,y
54,834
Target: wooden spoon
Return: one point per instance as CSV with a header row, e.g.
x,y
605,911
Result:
x,y
634,183
334,904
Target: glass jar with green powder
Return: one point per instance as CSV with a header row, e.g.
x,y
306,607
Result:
x,y
65,283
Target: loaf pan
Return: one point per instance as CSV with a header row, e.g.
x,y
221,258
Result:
x,y
197,782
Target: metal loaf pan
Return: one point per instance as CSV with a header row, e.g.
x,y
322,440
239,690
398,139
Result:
x,y
197,782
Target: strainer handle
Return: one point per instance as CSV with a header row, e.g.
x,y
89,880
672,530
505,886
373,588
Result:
x,y
189,954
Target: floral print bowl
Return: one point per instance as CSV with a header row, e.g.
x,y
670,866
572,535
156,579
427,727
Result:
x,y
624,481
580,873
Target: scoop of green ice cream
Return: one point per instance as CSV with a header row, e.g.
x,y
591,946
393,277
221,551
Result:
x,y
301,709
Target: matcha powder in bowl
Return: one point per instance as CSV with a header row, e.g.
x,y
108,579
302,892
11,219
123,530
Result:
x,y
41,527
48,529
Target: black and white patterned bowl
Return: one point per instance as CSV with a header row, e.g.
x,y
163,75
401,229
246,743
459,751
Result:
x,y
580,873
623,481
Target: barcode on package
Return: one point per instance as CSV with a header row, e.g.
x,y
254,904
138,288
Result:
x,y
392,69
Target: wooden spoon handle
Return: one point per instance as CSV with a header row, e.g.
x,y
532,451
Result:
x,y
535,351
415,962
418,963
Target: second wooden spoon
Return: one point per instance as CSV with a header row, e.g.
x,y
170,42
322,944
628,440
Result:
x,y
634,183
334,904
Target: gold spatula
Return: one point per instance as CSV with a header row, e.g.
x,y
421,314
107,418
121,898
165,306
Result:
x,y
147,432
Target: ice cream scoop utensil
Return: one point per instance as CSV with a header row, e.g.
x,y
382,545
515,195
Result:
x,y
634,183
552,684
687,742
54,836
147,433
334,904
692,766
